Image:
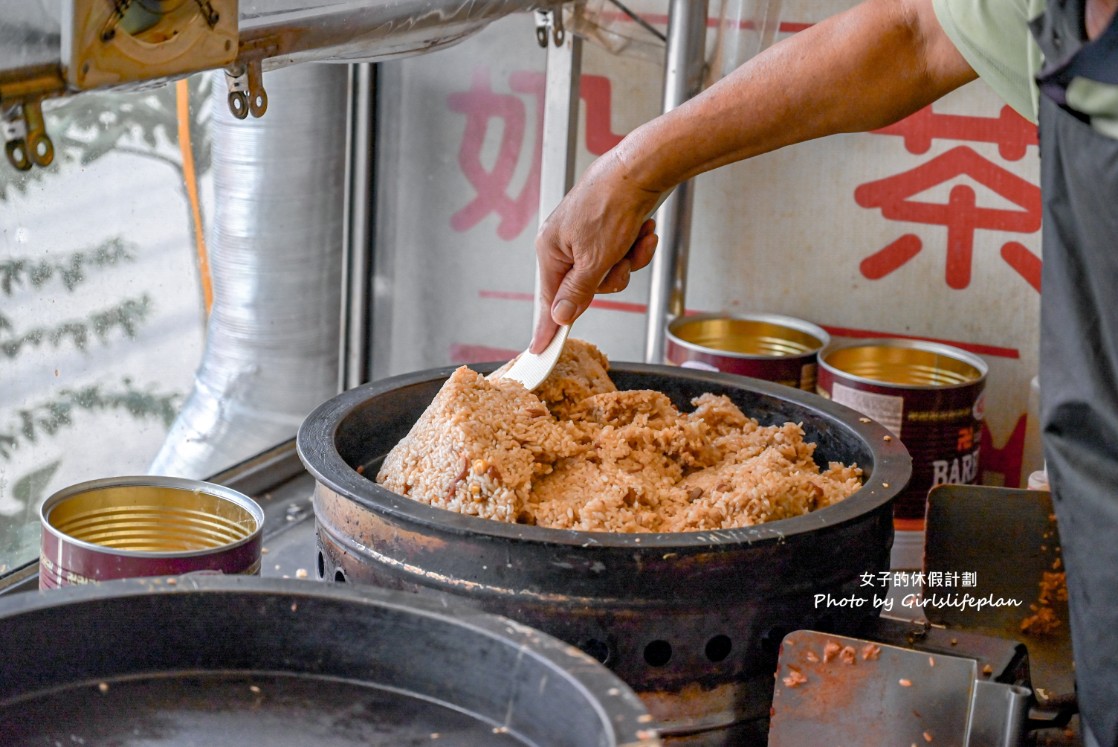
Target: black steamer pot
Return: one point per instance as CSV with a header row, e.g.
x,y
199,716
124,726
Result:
x,y
692,620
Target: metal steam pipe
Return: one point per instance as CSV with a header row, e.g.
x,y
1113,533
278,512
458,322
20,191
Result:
x,y
276,244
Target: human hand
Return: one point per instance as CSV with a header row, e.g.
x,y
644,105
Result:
x,y
596,237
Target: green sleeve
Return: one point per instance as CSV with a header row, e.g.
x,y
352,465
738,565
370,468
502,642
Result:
x,y
993,36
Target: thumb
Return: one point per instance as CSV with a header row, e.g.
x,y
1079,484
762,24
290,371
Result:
x,y
575,294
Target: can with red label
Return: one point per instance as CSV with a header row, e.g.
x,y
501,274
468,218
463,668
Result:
x,y
929,395
127,527
764,346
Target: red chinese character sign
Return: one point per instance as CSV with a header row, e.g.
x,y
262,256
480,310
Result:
x,y
962,215
484,109
481,106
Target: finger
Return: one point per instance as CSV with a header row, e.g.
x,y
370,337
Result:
x,y
642,251
553,266
550,278
617,279
545,330
575,294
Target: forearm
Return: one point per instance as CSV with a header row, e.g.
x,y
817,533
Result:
x,y
860,70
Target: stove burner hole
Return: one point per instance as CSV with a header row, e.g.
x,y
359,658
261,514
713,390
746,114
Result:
x,y
718,648
321,565
658,653
339,576
597,649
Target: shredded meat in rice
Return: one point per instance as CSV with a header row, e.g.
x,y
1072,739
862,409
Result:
x,y
579,454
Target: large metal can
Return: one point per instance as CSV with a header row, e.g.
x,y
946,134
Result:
x,y
929,395
763,346
124,527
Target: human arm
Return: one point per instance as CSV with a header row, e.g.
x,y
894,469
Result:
x,y
860,70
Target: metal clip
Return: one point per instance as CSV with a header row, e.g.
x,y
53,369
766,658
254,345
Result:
x,y
553,20
543,22
236,82
26,142
558,33
258,97
245,82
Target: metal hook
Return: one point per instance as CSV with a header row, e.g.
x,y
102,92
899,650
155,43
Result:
x,y
238,104
16,151
245,82
542,22
258,97
236,82
40,149
27,143
558,33
15,138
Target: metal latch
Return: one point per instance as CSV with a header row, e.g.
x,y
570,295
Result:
x,y
550,20
26,142
245,82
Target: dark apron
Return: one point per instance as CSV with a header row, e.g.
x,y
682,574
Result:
x,y
1079,350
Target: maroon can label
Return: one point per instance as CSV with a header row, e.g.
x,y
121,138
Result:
x,y
929,395
763,346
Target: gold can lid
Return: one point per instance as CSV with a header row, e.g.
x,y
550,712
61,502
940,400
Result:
x,y
912,363
760,336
